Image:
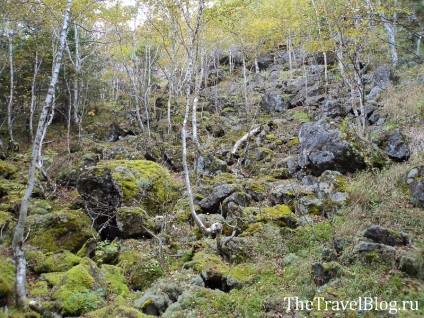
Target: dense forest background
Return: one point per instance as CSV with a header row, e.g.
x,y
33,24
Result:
x,y
211,158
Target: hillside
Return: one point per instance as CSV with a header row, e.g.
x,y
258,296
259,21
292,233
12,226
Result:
x,y
284,181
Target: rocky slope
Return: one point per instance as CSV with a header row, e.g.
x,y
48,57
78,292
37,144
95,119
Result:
x,y
310,205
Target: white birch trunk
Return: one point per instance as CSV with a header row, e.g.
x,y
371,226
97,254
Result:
x,y
18,236
12,86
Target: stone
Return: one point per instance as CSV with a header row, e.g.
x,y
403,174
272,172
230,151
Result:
x,y
210,166
415,182
322,274
219,193
273,102
411,266
383,76
280,214
324,149
396,148
60,229
112,184
134,222
341,243
379,234
235,200
7,169
114,133
264,60
372,253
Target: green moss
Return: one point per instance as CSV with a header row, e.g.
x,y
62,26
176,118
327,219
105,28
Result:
x,y
40,288
81,289
76,280
116,283
7,169
63,229
7,278
209,263
254,186
58,262
142,181
202,302
279,214
243,272
121,311
53,279
270,137
139,264
223,178
252,229
294,142
301,117
5,218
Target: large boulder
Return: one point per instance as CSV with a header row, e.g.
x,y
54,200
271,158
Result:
x,y
62,229
396,148
264,60
210,165
273,102
7,169
415,181
219,193
324,149
383,76
113,184
379,234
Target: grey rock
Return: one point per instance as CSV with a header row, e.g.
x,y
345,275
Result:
x,y
323,149
379,234
264,60
328,255
374,117
384,76
219,193
323,274
415,182
374,94
210,166
411,266
417,191
273,102
341,243
114,133
237,199
396,148
367,252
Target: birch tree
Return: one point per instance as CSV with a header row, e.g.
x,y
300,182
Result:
x,y
18,237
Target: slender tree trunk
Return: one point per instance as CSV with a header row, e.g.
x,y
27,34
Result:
x,y
18,237
190,52
12,86
198,84
37,66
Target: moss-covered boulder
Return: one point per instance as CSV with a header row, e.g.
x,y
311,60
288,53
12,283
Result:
x,y
83,288
7,281
201,302
112,184
57,262
7,169
166,291
134,222
218,275
279,214
140,263
60,230
120,311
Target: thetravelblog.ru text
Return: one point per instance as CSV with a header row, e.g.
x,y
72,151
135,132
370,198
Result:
x,y
360,304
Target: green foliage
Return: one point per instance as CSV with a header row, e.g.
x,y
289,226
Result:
x,y
84,301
